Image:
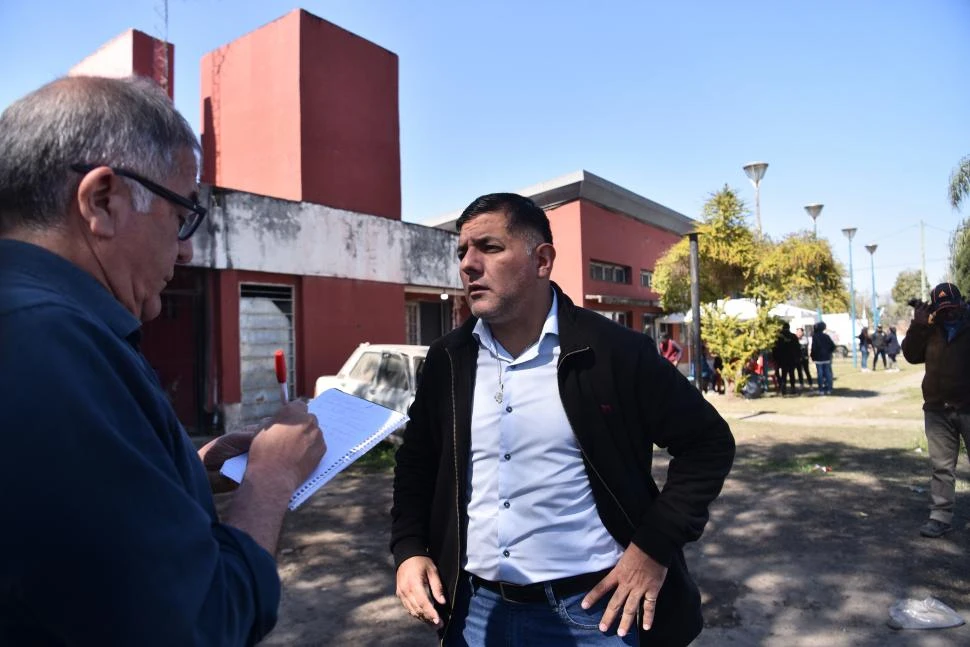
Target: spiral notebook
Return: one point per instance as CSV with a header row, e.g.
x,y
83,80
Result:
x,y
351,426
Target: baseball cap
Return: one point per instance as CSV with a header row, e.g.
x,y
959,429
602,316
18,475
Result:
x,y
945,295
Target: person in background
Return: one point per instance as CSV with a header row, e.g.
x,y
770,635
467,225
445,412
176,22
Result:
x,y
670,350
112,536
787,354
879,344
939,336
804,374
525,513
822,349
865,343
892,348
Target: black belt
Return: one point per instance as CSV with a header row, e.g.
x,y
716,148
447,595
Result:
x,y
532,593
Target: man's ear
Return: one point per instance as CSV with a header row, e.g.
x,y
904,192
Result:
x,y
102,200
545,256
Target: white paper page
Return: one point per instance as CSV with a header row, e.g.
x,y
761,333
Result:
x,y
350,427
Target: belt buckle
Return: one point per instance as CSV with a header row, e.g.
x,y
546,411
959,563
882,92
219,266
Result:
x,y
501,590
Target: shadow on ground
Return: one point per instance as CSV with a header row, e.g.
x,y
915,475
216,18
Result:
x,y
793,555
795,551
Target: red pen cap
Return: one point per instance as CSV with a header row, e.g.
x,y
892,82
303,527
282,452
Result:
x,y
280,366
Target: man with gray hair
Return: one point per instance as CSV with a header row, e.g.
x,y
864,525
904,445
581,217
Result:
x,y
111,535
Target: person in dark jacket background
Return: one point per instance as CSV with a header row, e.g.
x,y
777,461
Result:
x,y
822,349
523,499
865,343
892,348
939,336
786,353
879,343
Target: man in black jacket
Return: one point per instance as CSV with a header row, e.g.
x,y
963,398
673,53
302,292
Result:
x,y
939,335
523,489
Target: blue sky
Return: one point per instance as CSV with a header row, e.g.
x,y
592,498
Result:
x,y
862,106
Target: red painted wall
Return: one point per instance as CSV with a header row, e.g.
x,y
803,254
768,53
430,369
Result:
x,y
349,111
303,110
339,314
251,112
583,231
615,238
132,53
566,224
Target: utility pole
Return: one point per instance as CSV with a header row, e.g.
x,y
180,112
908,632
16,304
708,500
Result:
x,y
922,267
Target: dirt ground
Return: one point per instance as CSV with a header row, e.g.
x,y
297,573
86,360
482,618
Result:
x,y
794,555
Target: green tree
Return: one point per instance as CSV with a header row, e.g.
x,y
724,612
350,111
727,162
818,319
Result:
x,y
960,243
960,257
960,183
728,251
907,286
736,263
736,341
800,268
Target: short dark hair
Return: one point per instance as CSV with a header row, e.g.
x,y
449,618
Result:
x,y
523,214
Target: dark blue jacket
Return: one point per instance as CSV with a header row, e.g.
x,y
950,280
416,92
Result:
x,y
110,536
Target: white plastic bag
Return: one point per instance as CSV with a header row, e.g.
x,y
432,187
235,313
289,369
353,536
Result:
x,y
923,614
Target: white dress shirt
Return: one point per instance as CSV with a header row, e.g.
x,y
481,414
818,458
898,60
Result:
x,y
531,513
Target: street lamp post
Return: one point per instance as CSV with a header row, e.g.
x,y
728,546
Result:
x,y
872,268
814,210
755,171
850,233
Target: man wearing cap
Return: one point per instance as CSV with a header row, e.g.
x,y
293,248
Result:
x,y
939,335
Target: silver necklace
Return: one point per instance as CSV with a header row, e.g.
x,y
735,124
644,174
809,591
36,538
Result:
x,y
500,394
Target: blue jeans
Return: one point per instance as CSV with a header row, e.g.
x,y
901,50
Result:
x,y
824,377
865,357
482,618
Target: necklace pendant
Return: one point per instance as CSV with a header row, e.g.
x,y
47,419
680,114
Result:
x,y
499,397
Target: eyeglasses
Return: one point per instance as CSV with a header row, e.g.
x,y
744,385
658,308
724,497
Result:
x,y
188,223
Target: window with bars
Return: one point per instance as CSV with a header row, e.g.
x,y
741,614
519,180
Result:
x,y
265,326
600,271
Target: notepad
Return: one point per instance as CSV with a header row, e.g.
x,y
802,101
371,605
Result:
x,y
351,426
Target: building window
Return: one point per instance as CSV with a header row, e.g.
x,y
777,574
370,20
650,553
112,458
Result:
x,y
646,279
609,272
622,318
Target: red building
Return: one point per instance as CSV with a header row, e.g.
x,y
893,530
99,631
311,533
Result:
x,y
608,240
304,248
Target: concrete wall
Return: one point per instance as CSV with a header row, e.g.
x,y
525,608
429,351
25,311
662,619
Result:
x,y
244,231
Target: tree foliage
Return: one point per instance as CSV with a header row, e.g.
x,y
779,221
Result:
x,y
960,257
960,183
734,262
907,286
728,251
736,341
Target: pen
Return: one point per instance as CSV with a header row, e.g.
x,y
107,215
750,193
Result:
x,y
281,376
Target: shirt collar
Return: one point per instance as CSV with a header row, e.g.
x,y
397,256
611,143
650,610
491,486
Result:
x,y
550,329
71,282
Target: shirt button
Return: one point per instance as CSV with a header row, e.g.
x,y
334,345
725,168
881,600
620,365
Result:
x,y
507,504
508,409
508,457
506,553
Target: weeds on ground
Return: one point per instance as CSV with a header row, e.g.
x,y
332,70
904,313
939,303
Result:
x,y
378,459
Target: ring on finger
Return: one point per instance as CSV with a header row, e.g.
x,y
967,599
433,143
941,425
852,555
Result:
x,y
647,598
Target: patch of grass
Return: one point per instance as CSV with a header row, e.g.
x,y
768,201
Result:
x,y
796,464
378,459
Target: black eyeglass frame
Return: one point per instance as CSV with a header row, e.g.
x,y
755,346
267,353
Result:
x,y
186,230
